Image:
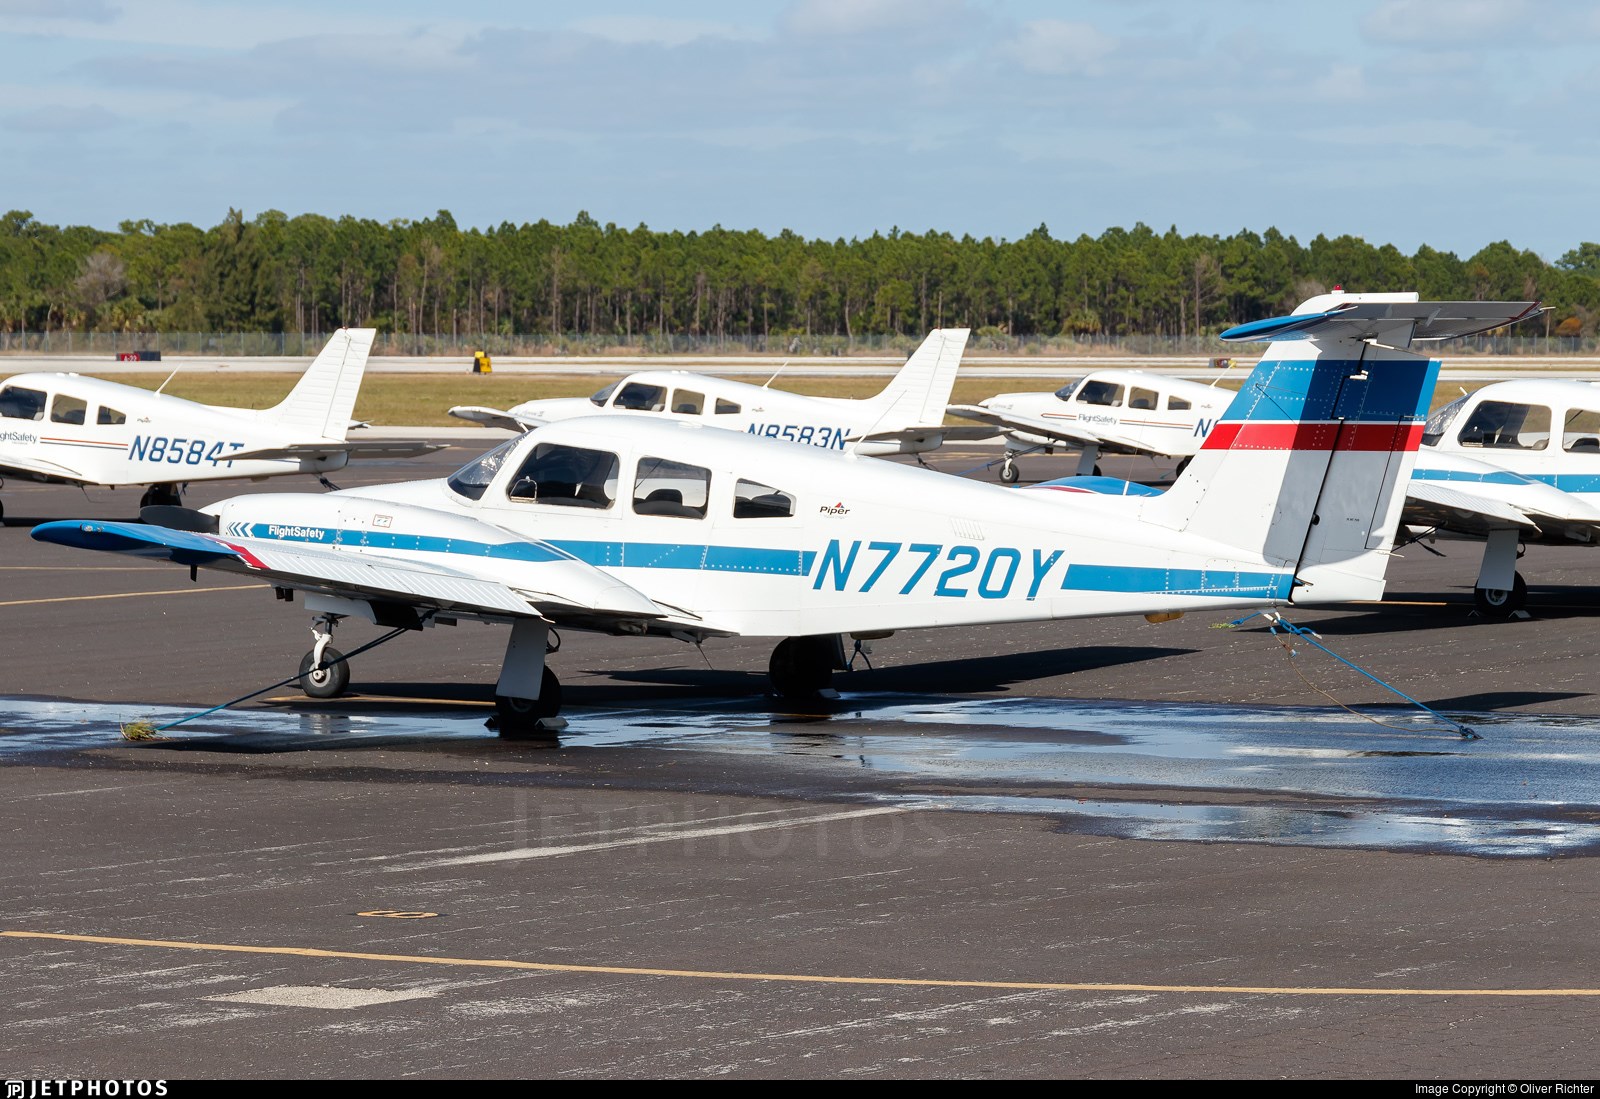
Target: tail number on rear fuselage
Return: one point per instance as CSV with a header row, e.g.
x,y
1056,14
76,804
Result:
x,y
831,438
960,571
178,451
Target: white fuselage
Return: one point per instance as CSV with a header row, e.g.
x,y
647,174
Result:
x,y
1124,409
780,540
73,429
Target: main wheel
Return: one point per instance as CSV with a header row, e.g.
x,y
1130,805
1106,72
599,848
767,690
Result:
x,y
522,715
801,666
1009,472
329,682
1498,603
160,495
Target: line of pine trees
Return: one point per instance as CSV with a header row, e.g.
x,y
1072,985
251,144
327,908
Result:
x,y
274,273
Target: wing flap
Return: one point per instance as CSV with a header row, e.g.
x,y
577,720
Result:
x,y
366,448
1431,504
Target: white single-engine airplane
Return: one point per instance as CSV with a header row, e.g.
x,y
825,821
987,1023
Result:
x,y
1114,411
667,528
1492,464
68,429
906,418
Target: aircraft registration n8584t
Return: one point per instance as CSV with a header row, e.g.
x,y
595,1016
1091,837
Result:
x,y
676,529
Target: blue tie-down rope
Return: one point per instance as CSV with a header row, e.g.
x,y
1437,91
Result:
x,y
142,730
1311,637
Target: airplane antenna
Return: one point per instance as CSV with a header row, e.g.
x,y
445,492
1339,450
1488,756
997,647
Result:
x,y
775,374
174,374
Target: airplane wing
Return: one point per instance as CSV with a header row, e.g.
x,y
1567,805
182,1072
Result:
x,y
950,434
1053,429
1430,504
38,467
366,448
568,590
488,417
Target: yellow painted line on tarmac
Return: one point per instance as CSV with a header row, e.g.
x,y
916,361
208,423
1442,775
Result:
x,y
796,978
125,595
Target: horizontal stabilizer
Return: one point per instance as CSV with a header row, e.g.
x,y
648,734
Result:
x,y
1394,323
488,417
366,448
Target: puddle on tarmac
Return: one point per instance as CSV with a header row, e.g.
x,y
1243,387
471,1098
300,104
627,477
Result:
x,y
1316,777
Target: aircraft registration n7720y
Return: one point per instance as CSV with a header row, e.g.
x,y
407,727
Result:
x,y
906,418
68,429
668,528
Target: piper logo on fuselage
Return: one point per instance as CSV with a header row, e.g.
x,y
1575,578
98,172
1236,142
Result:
x,y
834,509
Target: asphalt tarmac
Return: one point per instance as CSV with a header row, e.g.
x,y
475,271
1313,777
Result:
x,y
1097,849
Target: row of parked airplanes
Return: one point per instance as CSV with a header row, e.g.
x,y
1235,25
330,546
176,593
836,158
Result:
x,y
633,512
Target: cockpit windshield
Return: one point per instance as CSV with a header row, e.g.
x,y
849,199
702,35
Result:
x,y
1440,422
473,478
1066,391
604,395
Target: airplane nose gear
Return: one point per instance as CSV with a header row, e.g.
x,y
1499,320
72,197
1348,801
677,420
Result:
x,y
324,671
1008,471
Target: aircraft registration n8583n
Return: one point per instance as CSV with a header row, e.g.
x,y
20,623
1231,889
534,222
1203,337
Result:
x,y
675,529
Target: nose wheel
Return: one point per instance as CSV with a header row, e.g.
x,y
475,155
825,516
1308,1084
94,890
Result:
x,y
324,671
1009,472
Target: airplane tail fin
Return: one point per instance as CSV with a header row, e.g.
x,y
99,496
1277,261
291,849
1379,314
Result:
x,y
1308,466
919,393
322,400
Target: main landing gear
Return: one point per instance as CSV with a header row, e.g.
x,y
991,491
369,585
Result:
x,y
1500,591
802,667
164,495
1088,462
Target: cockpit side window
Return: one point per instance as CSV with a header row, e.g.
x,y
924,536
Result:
x,y
753,500
471,479
665,487
17,403
1439,422
1506,425
569,476
726,408
688,403
67,409
604,395
641,397
1100,393
1582,431
109,415
1066,391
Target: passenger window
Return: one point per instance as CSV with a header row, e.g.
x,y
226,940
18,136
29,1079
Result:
x,y
68,410
109,415
1143,398
17,403
663,487
1101,393
570,476
1178,404
687,403
1582,431
726,408
753,500
1507,426
641,397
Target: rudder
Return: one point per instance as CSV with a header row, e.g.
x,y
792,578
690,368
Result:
x,y
321,402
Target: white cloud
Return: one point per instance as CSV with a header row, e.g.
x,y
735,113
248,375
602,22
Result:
x,y
1057,46
850,18
658,30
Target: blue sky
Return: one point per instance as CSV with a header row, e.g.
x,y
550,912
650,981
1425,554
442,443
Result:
x,y
1448,122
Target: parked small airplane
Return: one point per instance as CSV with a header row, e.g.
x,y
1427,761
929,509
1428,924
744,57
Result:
x,y
906,418
1113,411
1492,464
671,529
68,429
